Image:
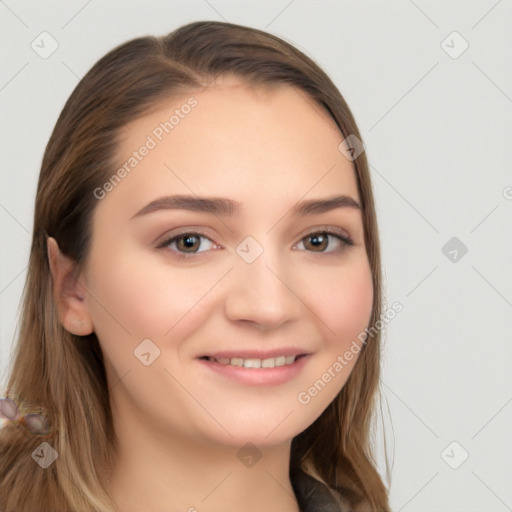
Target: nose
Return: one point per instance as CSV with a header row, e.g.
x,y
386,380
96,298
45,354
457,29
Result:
x,y
262,292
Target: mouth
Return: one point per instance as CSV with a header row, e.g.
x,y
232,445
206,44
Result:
x,y
253,362
271,368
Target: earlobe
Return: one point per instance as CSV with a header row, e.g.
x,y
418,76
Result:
x,y
68,294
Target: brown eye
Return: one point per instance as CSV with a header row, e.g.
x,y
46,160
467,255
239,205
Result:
x,y
190,242
186,244
319,241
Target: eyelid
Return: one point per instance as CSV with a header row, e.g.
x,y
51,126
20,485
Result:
x,y
331,230
186,230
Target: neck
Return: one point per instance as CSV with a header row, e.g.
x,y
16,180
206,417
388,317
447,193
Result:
x,y
164,472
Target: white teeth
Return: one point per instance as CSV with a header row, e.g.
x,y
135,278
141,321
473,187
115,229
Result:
x,y
280,361
271,362
289,359
252,363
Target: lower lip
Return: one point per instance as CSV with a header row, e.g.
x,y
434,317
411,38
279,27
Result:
x,y
258,376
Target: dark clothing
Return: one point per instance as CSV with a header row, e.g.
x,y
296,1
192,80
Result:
x,y
313,496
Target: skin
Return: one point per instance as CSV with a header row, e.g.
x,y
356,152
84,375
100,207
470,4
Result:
x,y
180,425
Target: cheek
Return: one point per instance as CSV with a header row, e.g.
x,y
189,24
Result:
x,y
137,298
343,308
343,302
134,300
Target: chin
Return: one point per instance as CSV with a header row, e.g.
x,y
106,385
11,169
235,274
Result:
x,y
264,432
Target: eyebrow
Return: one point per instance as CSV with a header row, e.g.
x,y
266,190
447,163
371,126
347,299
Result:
x,y
228,208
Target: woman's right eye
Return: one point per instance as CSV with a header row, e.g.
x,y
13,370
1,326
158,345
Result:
x,y
189,241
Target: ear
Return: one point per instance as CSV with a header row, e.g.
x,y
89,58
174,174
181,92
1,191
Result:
x,y
69,295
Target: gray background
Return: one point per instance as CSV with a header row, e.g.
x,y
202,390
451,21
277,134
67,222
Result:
x,y
437,127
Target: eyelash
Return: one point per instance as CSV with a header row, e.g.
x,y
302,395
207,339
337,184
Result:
x,y
334,232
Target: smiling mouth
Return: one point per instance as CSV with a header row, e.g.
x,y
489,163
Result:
x,y
271,362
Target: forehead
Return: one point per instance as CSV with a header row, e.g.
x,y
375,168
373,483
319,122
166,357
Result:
x,y
232,139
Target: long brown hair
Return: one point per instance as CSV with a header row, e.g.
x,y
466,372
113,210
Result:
x,y
63,373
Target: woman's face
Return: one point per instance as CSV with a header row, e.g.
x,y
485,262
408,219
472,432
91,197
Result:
x,y
248,282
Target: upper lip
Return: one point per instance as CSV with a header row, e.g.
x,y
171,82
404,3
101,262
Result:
x,y
257,354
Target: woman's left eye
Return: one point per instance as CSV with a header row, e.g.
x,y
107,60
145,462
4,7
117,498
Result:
x,y
187,244
320,240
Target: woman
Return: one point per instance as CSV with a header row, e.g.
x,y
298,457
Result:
x,y
203,273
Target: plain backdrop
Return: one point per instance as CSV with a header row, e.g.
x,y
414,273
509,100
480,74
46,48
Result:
x,y
430,86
